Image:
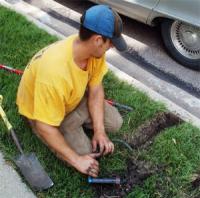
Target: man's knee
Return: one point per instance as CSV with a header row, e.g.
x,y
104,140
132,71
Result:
x,y
78,140
117,124
113,119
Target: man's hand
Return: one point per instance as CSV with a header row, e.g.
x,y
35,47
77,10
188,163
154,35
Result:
x,y
54,139
105,145
87,164
96,109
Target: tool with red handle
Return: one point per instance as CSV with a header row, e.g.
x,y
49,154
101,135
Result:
x,y
122,106
10,69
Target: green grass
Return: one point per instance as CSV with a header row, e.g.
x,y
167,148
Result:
x,y
177,148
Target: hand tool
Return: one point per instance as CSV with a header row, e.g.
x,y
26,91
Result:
x,y
28,164
10,69
122,106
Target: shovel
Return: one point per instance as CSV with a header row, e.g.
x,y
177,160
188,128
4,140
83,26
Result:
x,y
28,164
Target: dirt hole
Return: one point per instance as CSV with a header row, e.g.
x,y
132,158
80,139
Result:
x,y
146,132
135,174
137,171
196,182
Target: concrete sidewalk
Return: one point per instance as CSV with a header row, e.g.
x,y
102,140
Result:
x,y
11,186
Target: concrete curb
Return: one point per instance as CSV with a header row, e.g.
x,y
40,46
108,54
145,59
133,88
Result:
x,y
24,9
11,185
182,113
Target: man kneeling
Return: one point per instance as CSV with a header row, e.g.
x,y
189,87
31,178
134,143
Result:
x,y
61,91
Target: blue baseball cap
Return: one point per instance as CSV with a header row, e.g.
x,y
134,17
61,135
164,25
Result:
x,y
103,20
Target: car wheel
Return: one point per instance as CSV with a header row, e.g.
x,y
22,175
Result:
x,y
182,42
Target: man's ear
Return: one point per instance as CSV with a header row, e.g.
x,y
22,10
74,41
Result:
x,y
98,40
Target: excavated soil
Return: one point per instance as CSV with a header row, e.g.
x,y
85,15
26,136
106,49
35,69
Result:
x,y
145,134
196,183
137,171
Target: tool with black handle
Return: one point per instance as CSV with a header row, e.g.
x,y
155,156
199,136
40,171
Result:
x,y
118,105
28,164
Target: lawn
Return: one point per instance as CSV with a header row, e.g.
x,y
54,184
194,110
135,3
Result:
x,y
175,150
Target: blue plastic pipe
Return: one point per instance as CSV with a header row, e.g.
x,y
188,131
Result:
x,y
114,180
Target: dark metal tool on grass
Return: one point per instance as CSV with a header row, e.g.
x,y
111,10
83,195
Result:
x,y
118,105
28,164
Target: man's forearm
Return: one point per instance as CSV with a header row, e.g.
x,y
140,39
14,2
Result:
x,y
54,139
96,109
86,164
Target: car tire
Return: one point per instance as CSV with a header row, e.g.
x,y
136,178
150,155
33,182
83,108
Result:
x,y
182,42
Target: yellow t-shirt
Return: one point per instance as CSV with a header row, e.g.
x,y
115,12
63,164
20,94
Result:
x,y
52,84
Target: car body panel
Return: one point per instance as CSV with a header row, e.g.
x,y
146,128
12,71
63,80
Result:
x,y
146,11
183,10
136,9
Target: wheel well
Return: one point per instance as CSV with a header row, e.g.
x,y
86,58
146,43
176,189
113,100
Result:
x,y
158,20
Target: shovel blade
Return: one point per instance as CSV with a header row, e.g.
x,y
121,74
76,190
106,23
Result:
x,y
33,172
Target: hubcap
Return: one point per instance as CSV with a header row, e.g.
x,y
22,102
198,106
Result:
x,y
186,39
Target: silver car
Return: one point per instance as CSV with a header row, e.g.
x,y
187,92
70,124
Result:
x,y
179,20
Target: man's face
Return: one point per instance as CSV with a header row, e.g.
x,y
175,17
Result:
x,y
101,47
